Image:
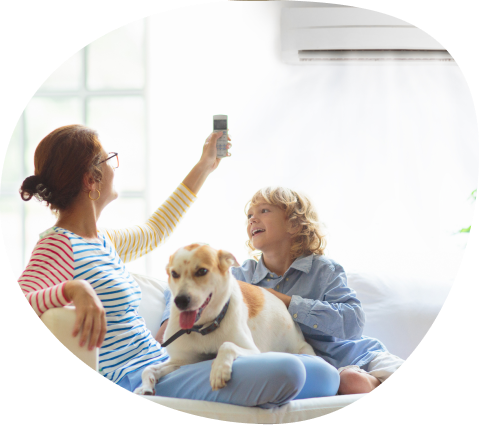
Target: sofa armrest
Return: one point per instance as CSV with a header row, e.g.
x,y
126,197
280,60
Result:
x,y
60,322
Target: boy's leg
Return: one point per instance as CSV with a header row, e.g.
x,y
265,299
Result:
x,y
322,379
355,380
266,380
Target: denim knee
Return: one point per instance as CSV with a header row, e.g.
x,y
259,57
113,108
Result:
x,y
292,372
287,376
322,379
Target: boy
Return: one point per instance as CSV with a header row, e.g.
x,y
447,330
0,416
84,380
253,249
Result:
x,y
283,228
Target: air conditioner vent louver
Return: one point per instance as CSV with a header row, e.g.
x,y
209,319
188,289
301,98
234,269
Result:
x,y
373,55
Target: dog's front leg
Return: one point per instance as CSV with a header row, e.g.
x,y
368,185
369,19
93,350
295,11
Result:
x,y
223,364
152,374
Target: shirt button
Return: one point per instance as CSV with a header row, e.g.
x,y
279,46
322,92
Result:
x,y
287,278
315,326
268,280
295,315
277,286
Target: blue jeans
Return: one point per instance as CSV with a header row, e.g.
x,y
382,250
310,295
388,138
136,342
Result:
x,y
265,380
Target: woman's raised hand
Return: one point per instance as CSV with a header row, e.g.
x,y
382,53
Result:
x,y
90,314
207,163
208,156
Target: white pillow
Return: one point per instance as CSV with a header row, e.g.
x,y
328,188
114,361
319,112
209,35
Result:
x,y
152,300
399,310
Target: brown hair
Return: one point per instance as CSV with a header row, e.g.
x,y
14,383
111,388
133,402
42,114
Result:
x,y
61,160
298,209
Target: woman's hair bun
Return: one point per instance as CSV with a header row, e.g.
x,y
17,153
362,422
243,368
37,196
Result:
x,y
61,161
33,186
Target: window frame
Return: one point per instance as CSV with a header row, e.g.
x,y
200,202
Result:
x,y
83,94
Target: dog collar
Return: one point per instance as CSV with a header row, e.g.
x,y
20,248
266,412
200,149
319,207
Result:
x,y
199,328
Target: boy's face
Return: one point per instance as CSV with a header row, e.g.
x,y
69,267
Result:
x,y
268,228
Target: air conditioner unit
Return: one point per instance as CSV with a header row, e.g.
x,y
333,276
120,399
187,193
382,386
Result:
x,y
334,35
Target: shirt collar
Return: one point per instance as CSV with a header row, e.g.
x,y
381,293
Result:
x,y
260,272
303,264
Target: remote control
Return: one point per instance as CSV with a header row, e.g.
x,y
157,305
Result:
x,y
220,123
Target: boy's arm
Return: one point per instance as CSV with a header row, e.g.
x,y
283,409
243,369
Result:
x,y
283,297
338,313
166,312
165,317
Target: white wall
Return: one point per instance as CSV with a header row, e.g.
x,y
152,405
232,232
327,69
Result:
x,y
388,154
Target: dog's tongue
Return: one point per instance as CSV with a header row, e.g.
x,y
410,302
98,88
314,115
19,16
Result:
x,y
187,319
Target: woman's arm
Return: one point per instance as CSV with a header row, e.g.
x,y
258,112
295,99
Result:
x,y
206,165
47,283
133,242
90,315
136,241
50,267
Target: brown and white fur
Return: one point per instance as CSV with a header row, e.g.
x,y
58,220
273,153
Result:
x,y
256,320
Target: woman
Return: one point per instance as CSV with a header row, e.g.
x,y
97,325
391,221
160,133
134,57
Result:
x,y
75,262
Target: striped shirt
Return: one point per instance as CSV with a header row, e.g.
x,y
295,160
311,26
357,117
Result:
x,y
61,255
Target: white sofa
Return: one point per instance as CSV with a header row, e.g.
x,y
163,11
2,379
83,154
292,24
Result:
x,y
399,312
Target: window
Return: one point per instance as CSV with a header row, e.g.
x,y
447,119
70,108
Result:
x,y
102,86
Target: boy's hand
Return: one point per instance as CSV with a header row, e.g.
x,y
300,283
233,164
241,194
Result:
x,y
285,298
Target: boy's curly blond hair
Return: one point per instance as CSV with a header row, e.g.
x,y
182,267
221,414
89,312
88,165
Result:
x,y
297,207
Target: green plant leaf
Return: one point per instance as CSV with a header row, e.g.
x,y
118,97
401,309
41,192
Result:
x,y
472,196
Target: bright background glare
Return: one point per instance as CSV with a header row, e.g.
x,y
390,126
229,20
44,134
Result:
x,y
388,154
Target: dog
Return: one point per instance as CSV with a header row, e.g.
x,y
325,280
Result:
x,y
236,318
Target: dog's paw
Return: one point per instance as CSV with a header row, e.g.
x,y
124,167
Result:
x,y
220,375
144,391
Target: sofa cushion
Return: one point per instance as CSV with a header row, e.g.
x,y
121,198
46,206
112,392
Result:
x,y
152,300
294,411
399,309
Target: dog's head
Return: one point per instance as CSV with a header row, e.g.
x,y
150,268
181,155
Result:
x,y
198,277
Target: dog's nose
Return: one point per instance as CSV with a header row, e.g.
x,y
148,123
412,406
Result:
x,y
182,301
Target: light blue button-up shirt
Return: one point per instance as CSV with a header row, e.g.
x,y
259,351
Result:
x,y
326,309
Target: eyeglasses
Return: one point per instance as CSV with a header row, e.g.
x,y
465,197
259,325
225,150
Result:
x,y
113,160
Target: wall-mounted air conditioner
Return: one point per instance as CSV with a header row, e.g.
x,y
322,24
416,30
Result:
x,y
338,34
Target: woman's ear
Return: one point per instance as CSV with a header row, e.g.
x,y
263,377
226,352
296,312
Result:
x,y
89,182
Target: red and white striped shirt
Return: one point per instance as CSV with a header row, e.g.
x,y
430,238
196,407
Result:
x,y
61,255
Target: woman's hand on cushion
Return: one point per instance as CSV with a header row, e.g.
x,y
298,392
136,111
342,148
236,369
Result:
x,y
90,314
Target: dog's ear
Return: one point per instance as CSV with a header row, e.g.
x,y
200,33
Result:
x,y
168,266
226,260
